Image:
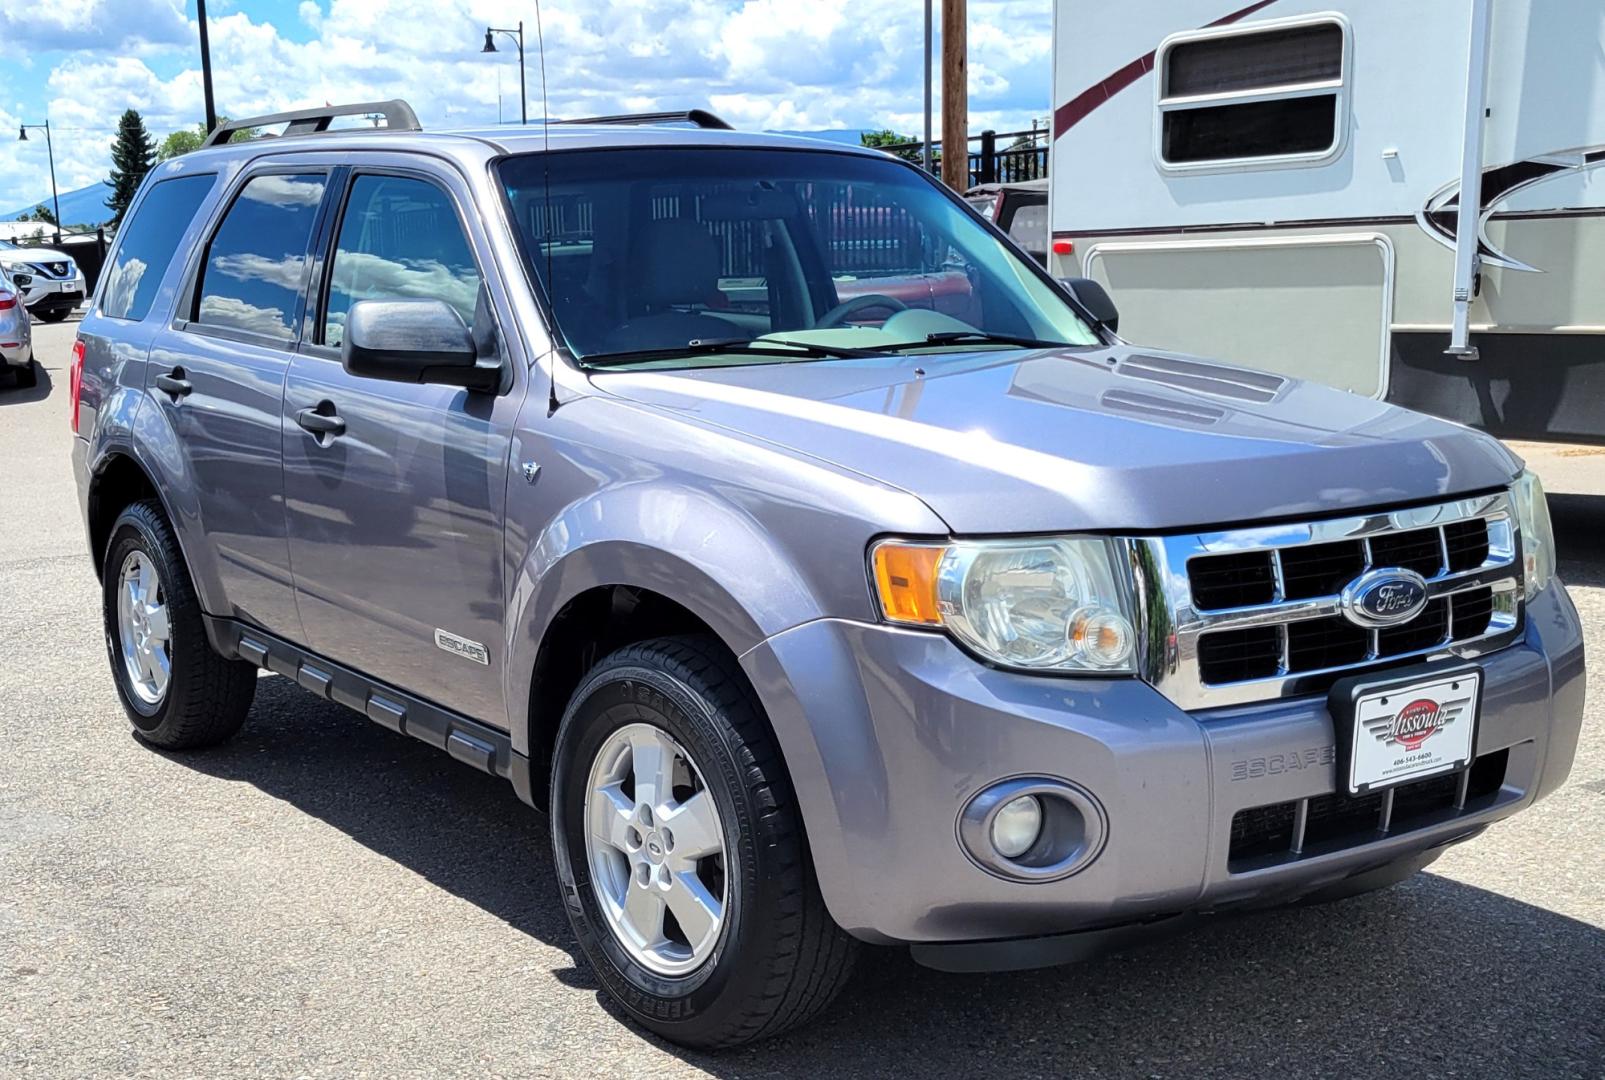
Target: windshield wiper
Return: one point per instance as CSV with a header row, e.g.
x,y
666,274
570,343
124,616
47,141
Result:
x,y
778,347
978,337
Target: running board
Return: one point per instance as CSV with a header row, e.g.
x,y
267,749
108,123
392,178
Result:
x,y
469,741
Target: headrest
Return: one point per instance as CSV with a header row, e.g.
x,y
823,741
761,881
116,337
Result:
x,y
680,264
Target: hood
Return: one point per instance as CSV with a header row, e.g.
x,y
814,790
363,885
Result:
x,y
17,256
1101,439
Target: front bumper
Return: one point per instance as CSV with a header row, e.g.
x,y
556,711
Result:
x,y
888,733
49,294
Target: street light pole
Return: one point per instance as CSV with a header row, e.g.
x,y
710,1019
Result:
x,y
206,69
926,152
50,152
490,47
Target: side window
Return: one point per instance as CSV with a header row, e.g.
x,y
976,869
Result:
x,y
256,263
149,241
1236,95
399,239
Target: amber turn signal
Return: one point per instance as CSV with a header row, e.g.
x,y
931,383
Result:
x,y
905,578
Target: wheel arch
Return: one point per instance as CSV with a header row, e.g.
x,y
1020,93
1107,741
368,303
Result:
x,y
117,481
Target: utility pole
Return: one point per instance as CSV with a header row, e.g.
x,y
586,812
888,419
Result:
x,y
955,96
206,68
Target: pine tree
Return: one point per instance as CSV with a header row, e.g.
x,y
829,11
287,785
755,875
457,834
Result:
x,y
131,158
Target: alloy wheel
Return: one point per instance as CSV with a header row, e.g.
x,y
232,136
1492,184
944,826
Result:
x,y
656,850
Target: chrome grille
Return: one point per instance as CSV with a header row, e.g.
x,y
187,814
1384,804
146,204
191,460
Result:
x,y
1253,614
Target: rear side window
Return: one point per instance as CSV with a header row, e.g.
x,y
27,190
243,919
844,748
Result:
x,y
1240,95
399,240
149,240
256,264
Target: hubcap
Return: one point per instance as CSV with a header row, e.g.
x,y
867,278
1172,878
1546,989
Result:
x,y
656,850
143,628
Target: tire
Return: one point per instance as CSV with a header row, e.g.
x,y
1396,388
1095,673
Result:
x,y
27,376
777,958
52,315
204,697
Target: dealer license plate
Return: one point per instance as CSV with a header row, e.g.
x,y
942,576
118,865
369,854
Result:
x,y
1408,731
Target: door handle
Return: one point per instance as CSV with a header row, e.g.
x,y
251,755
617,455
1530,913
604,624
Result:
x,y
173,382
321,421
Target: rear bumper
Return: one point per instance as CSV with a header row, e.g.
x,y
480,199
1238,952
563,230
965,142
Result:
x,y
889,733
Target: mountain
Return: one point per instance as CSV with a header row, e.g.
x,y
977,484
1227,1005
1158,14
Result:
x,y
86,206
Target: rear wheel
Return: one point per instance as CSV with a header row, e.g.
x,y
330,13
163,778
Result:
x,y
176,690
680,851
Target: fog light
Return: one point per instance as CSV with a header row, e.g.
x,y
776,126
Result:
x,y
1017,825
1032,828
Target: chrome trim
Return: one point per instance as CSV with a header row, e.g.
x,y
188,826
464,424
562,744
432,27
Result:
x,y
1172,624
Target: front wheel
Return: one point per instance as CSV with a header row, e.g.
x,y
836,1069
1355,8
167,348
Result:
x,y
680,851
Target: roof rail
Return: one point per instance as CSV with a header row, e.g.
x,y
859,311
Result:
x,y
700,117
398,116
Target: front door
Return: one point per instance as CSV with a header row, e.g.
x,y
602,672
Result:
x,y
395,515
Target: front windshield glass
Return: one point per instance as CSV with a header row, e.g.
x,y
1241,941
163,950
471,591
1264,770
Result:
x,y
697,256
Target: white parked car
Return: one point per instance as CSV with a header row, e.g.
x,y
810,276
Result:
x,y
49,280
16,337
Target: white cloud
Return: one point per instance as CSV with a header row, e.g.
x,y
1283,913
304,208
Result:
x,y
789,64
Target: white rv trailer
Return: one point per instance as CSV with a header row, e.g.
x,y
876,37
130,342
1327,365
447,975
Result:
x,y
1277,183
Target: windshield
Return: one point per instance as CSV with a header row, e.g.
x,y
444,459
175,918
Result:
x,y
704,256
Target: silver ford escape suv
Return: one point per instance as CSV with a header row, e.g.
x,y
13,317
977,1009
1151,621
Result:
x,y
828,572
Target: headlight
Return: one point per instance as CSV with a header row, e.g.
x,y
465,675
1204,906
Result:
x,y
1053,605
1537,536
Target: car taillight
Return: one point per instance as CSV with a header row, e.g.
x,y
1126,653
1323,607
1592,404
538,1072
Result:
x,y
75,383
7,301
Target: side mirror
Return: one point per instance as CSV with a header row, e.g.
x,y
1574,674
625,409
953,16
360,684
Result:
x,y
415,341
1095,301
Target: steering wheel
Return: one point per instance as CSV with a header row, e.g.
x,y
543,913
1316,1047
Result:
x,y
836,315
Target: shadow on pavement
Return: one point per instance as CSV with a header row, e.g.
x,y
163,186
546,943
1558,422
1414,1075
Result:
x,y
1580,537
11,394
1433,977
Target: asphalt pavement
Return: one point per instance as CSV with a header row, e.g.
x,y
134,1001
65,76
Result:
x,y
322,898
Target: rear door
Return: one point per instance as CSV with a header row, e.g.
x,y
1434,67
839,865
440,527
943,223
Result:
x,y
396,521
217,373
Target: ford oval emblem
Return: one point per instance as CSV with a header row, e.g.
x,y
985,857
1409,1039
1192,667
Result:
x,y
1385,597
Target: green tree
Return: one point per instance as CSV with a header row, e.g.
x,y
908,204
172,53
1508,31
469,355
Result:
x,y
184,140
887,138
131,158
181,141
40,213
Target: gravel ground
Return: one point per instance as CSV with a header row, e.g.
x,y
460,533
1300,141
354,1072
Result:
x,y
321,898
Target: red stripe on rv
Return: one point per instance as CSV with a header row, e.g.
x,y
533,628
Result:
x,y
1077,109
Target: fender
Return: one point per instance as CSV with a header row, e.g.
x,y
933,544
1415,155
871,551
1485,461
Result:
x,y
693,559
707,517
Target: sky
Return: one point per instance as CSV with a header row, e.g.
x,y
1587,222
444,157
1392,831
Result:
x,y
761,64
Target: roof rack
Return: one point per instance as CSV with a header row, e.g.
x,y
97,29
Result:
x,y
700,117
397,114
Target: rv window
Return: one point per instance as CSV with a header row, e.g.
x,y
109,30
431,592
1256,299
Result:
x,y
1239,95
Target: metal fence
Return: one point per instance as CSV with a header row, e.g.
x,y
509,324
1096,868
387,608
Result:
x,y
1006,157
